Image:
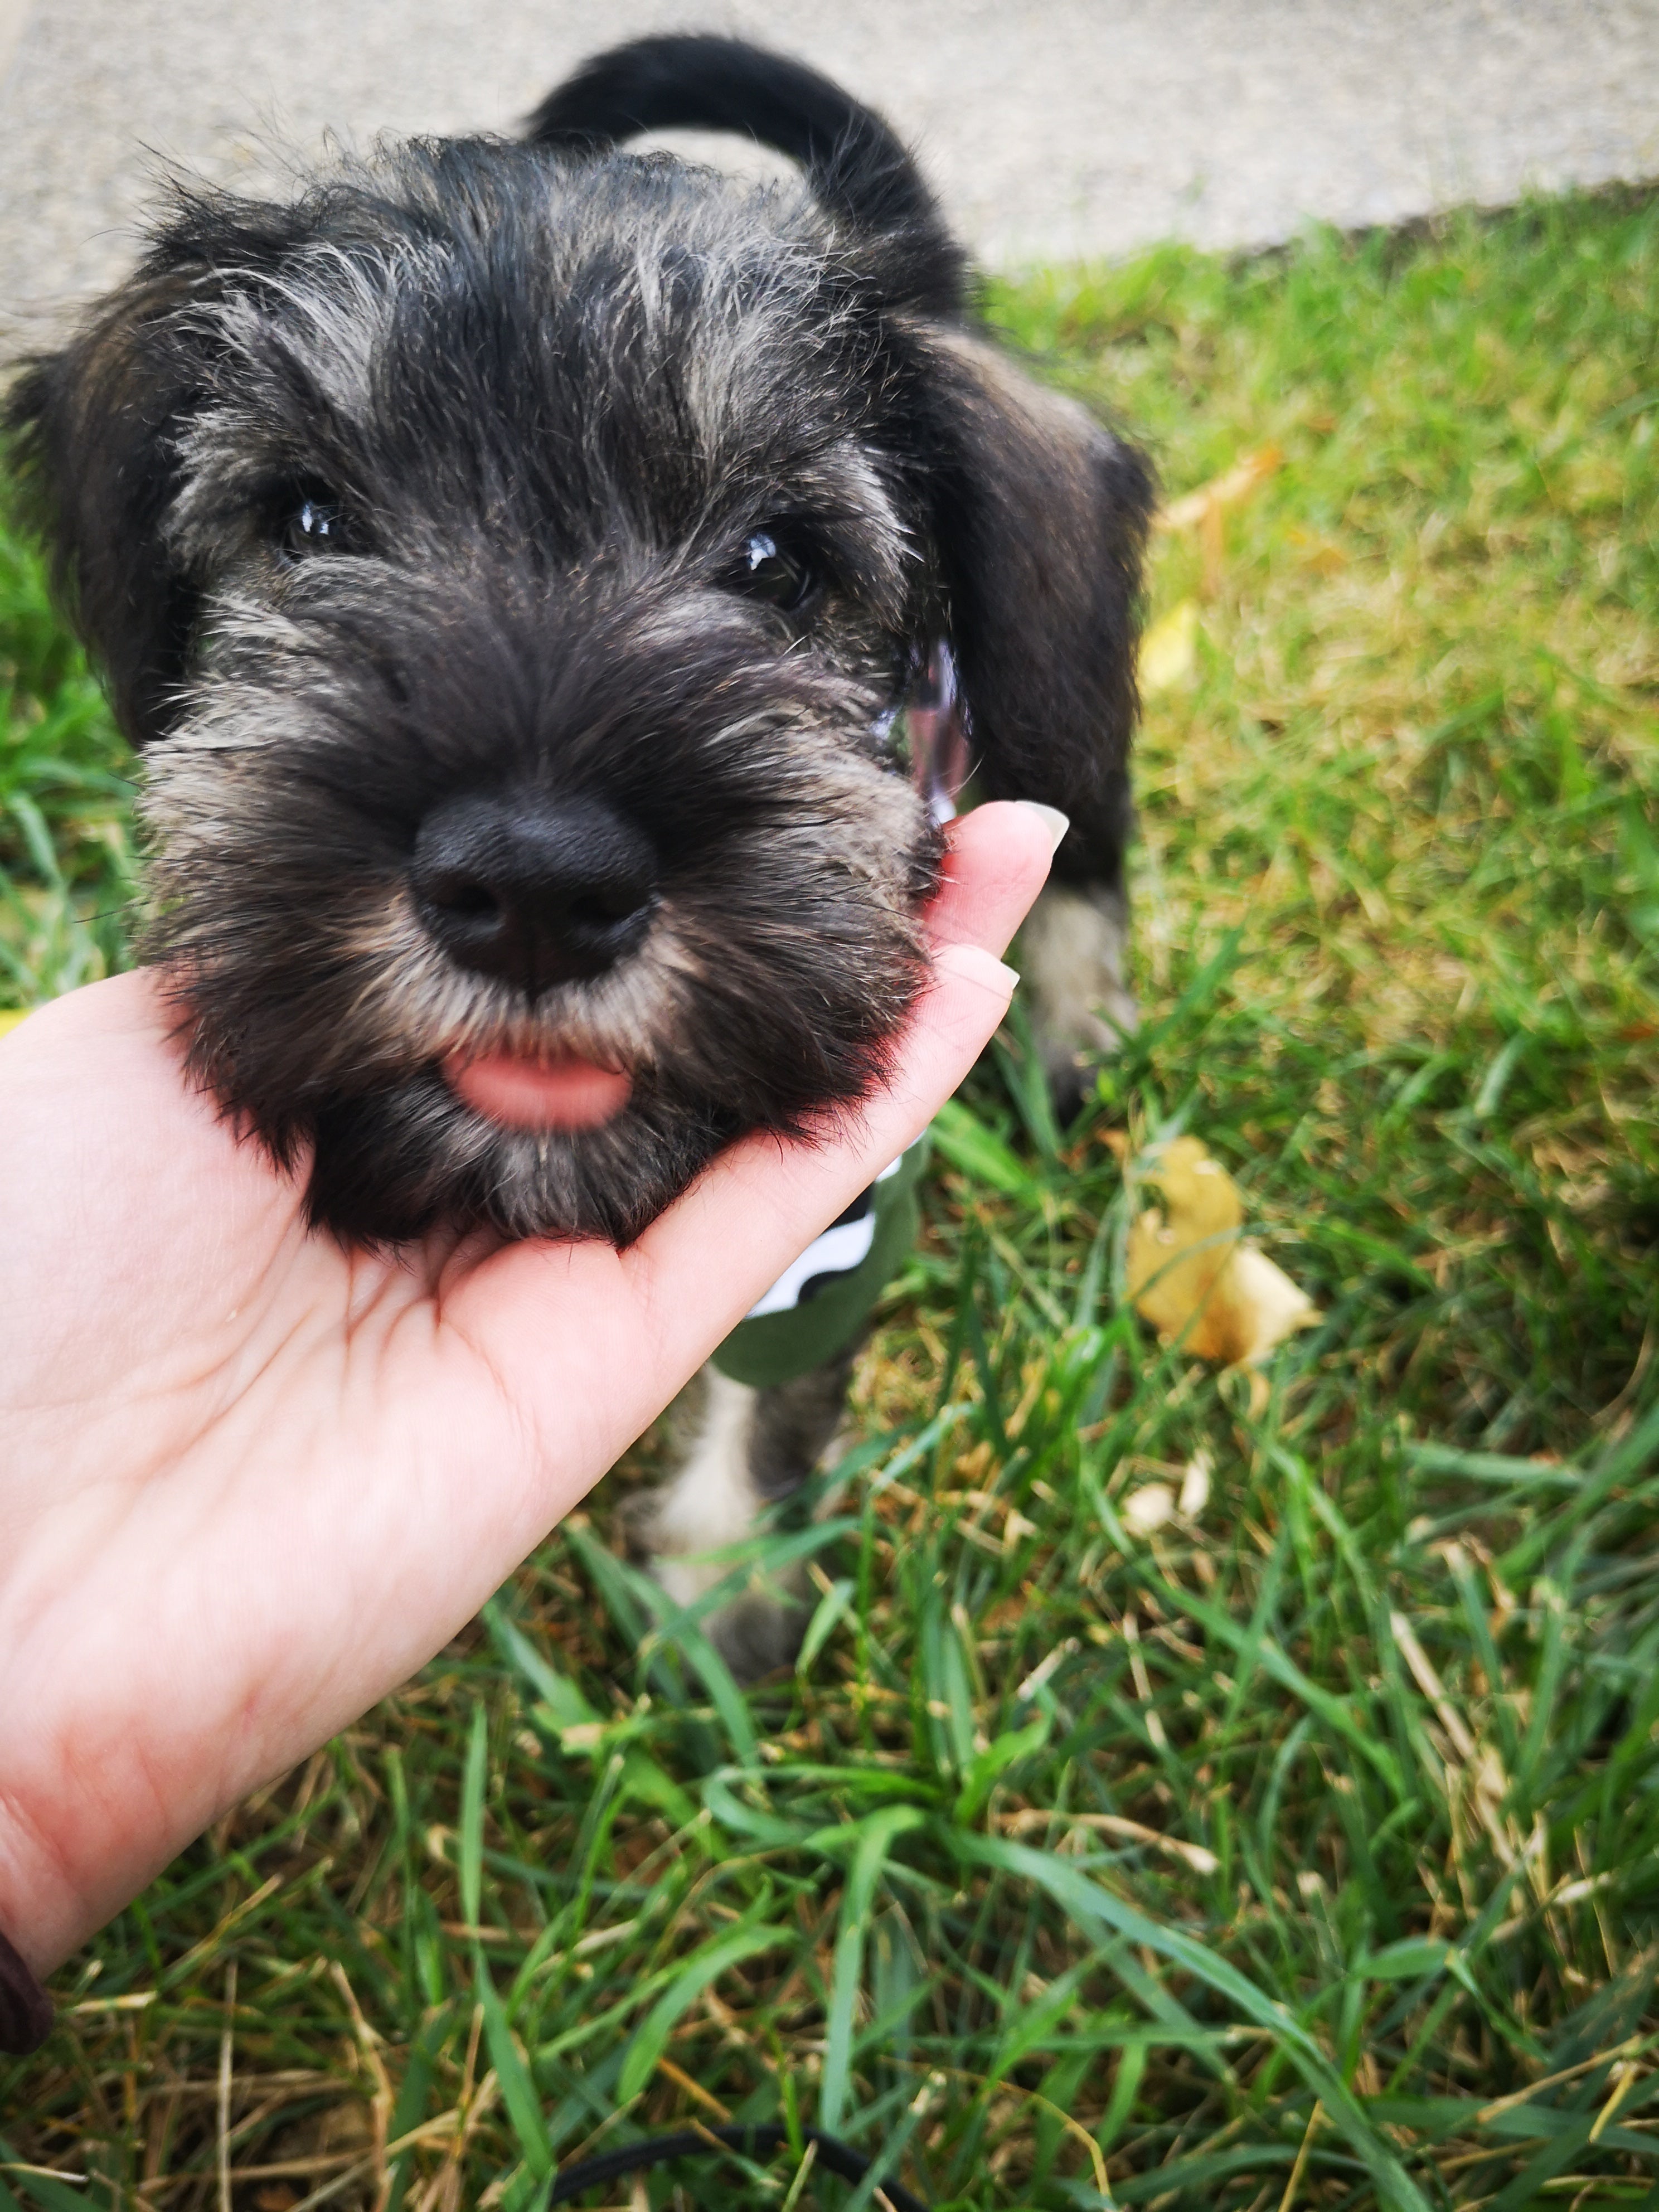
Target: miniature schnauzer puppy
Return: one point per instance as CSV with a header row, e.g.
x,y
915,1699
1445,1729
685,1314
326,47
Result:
x,y
515,560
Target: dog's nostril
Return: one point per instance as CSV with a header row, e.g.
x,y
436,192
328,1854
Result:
x,y
471,900
597,909
533,890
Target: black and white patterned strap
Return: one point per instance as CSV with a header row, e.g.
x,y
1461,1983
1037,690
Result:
x,y
841,1250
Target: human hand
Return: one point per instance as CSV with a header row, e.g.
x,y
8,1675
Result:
x,y
250,1482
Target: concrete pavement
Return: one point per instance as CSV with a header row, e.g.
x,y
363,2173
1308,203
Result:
x,y
1053,127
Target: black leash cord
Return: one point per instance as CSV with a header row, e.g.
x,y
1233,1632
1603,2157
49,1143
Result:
x,y
837,2158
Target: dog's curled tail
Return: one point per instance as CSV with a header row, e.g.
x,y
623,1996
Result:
x,y
856,164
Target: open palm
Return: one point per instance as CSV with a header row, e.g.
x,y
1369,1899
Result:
x,y
250,1481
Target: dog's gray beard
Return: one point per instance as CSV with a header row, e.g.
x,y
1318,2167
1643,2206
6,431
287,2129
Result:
x,y
317,1009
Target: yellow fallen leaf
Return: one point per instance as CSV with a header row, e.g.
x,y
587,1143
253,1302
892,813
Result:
x,y
1174,1264
1193,1276
1223,491
1206,509
1269,1305
1169,650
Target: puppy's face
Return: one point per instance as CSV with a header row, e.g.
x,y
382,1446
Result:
x,y
515,568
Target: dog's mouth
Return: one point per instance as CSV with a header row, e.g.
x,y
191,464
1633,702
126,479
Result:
x,y
522,1090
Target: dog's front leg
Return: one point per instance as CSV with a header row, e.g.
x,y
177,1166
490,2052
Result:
x,y
1073,962
749,1450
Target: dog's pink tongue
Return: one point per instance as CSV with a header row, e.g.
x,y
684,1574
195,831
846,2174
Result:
x,y
567,1093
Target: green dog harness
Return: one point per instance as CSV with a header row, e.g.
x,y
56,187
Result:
x,y
818,1306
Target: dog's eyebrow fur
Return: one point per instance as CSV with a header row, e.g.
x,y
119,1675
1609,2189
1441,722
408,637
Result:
x,y
715,327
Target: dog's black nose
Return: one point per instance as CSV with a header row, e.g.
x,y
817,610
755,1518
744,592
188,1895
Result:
x,y
534,889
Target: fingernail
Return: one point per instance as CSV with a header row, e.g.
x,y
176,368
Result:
x,y
1052,819
976,964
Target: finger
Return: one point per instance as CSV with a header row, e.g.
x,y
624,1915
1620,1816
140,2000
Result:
x,y
997,863
795,1188
698,1269
996,860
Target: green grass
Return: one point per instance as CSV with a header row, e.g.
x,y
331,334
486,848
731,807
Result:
x,y
66,874
1307,1848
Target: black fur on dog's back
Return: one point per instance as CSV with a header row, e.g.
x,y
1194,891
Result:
x,y
858,169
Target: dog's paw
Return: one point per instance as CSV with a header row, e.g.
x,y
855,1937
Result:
x,y
685,1533
757,1634
1072,960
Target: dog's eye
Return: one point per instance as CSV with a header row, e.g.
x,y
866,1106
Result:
x,y
774,572
312,524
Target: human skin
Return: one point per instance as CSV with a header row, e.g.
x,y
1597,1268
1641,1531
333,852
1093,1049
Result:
x,y
250,1481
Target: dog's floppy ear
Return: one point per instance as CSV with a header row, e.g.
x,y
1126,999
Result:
x,y
93,431
1040,523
